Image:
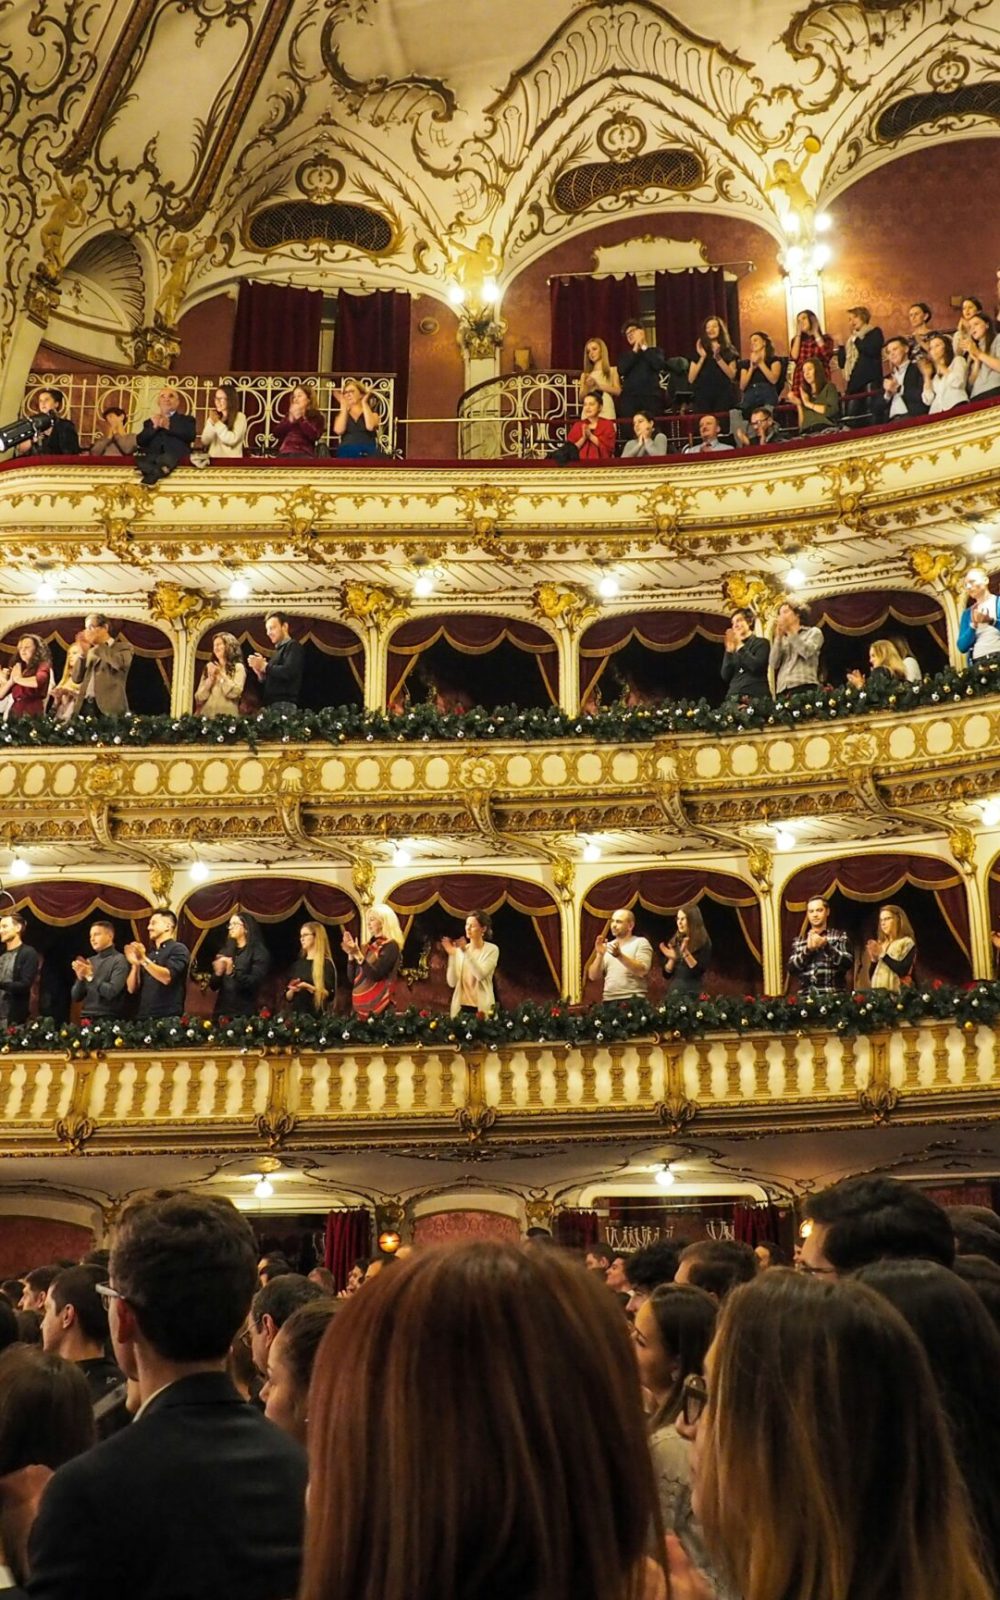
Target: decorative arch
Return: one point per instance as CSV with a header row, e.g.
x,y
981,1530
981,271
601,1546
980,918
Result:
x,y
442,901
270,899
648,668
152,663
661,891
335,656
471,636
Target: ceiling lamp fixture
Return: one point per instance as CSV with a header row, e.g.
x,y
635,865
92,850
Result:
x,y
46,589
20,867
263,1189
401,856
239,589
980,544
591,850
784,839
795,578
990,812
608,586
198,871
665,1176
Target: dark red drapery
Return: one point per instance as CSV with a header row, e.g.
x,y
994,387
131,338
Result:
x,y
373,335
589,308
861,613
62,631
332,638
61,903
348,1239
657,630
276,328
755,1225
473,636
575,1229
267,899
662,891
462,892
684,300
877,877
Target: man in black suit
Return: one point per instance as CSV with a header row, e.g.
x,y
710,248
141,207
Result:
x,y
164,438
281,677
640,367
200,1498
58,437
903,389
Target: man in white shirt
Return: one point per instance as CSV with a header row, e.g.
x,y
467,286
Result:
x,y
623,961
903,388
708,441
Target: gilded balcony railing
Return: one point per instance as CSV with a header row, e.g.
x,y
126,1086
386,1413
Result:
x,y
263,397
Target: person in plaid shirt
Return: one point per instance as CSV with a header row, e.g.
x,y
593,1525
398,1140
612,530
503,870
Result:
x,y
794,650
821,957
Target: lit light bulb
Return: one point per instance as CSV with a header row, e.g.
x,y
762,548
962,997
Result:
x,y
197,872
795,578
456,294
591,851
990,811
46,590
264,1189
791,223
980,544
239,589
401,857
20,868
822,222
794,256
665,1178
491,291
423,586
821,257
608,586
784,839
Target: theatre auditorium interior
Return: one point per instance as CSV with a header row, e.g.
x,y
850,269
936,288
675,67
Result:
x,y
499,656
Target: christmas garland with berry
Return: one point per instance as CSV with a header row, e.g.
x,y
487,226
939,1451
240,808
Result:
x,y
613,724
556,1022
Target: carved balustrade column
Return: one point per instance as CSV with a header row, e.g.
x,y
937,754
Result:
x,y
568,610
973,852
188,612
570,912
378,611
761,865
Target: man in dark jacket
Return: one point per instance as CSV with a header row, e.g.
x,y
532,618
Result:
x,y
744,665
281,676
59,436
19,965
201,1497
640,367
164,438
101,977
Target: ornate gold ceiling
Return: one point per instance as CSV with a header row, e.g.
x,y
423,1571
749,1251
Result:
x,y
404,134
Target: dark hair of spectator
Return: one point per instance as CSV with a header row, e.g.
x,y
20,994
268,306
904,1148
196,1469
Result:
x,y
631,322
483,918
29,1331
283,1295
946,340
302,1335
778,1255
746,614
974,1238
188,1269
870,1218
114,411
325,1278
46,1415
769,354
279,616
719,1265
563,1501
685,1319
963,1348
924,307
77,1287
12,1290
982,1275
108,927
39,1278
600,1251
8,1324
58,397
652,1265
274,1266
164,911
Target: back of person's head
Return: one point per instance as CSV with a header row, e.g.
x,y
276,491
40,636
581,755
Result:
x,y
39,1278
535,1482
77,1287
187,1267
652,1265
325,1278
97,1258
718,1265
867,1219
292,1357
273,1266
29,1327
825,1465
685,1321
982,1275
982,1214
974,1238
282,1295
963,1348
8,1324
46,1414
12,1290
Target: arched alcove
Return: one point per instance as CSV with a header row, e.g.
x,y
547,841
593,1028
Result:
x,y
461,661
852,622
59,912
148,684
280,905
525,927
642,657
930,891
730,908
334,673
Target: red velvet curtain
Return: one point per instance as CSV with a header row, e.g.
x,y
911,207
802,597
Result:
x,y
462,892
373,335
576,1230
877,878
755,1225
267,899
348,1239
589,308
473,636
277,328
657,630
860,613
685,299
333,638
662,891
61,903
145,641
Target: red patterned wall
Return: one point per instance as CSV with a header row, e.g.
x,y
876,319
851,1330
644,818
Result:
x,y
27,1242
448,1227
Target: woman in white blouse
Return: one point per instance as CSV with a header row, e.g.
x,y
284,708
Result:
x,y
945,375
471,965
222,683
225,427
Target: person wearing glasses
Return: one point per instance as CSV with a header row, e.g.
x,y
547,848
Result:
x,y
860,1220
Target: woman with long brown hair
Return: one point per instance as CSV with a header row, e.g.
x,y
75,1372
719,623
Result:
x,y
476,1433
823,1469
688,953
220,688
893,953
27,680
225,430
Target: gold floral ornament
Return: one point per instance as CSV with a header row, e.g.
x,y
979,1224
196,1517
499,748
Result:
x,y
743,591
65,210
363,879
302,510
567,607
760,864
118,507
161,882
105,778
564,877
186,609
374,607
943,569
665,505
293,774
849,484
962,844
484,509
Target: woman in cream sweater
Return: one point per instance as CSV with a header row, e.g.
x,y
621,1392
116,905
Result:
x,y
472,962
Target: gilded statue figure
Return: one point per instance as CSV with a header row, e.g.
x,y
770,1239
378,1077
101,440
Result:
x,y
183,258
65,210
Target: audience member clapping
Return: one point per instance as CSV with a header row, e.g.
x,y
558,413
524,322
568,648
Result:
x,y
599,377
945,375
760,375
641,367
810,343
300,430
372,968
745,659
220,688
823,1465
312,981
592,437
290,1361
982,350
795,650
355,426
240,967
892,955
712,368
472,962
27,680
979,626
225,430
903,386
688,954
763,428
536,1482
115,441
962,337
814,397
888,668
647,441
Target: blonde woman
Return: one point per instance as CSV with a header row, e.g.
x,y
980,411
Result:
x,y
312,982
892,956
888,668
66,694
372,968
599,377
222,683
355,426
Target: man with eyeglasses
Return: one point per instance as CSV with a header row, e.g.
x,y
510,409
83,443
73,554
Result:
x,y
861,1220
200,1497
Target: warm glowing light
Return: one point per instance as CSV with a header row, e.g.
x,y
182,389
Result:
x,y
608,586
20,868
795,578
264,1189
821,257
591,851
423,585
784,839
990,811
46,590
197,872
401,857
980,544
389,1242
665,1177
491,291
239,589
456,294
794,257
822,222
